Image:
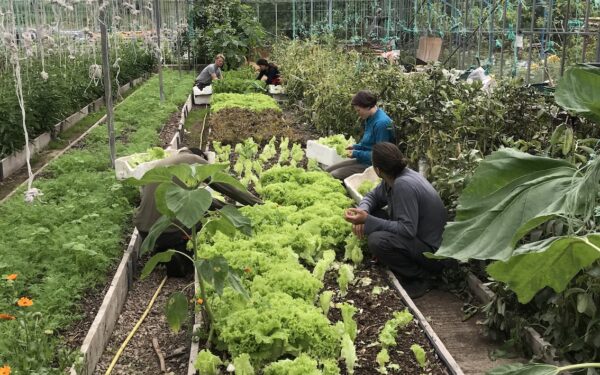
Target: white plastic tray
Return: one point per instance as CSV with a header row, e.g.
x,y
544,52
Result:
x,y
276,89
323,154
123,170
353,182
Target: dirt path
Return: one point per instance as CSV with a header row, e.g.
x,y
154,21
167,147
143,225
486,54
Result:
x,y
464,340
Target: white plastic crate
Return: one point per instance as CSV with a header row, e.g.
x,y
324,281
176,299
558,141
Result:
x,y
353,182
276,89
323,154
202,96
123,170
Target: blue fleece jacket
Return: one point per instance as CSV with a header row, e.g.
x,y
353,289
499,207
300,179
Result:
x,y
378,128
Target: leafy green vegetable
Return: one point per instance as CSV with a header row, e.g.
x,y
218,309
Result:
x,y
350,326
338,142
252,102
383,357
419,353
238,85
389,332
207,363
348,353
366,186
324,264
353,249
303,365
296,283
242,365
154,153
345,277
325,301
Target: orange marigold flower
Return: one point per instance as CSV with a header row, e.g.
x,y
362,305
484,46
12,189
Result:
x,y
5,370
12,276
247,269
200,301
6,317
24,302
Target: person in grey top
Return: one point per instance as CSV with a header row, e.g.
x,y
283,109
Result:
x,y
211,72
412,225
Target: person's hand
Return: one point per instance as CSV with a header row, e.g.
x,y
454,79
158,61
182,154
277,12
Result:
x,y
358,230
351,147
356,216
349,153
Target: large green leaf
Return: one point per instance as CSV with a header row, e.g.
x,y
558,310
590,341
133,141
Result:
x,y
578,91
235,217
159,175
511,193
176,310
189,206
227,179
552,262
163,257
204,171
221,224
156,230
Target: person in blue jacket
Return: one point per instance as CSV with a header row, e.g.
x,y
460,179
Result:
x,y
378,128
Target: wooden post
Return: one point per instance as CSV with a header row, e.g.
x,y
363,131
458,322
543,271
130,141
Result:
x,y
107,86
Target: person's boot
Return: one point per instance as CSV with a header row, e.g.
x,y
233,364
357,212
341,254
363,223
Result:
x,y
416,288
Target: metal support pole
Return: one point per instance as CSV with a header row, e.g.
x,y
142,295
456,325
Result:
x,y
565,48
107,87
504,10
293,19
160,76
598,48
311,16
330,15
276,29
530,42
491,41
548,38
586,28
515,47
178,37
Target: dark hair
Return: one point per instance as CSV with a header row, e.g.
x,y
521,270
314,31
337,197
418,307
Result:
x,y
388,158
197,151
364,99
262,62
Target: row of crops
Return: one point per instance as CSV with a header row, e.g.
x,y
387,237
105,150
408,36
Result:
x,y
516,170
60,246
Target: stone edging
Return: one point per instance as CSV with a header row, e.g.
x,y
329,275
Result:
x,y
439,346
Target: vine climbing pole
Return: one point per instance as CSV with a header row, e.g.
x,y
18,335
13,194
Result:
x,y
107,83
159,52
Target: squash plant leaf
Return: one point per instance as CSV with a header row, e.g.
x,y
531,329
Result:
x,y
521,369
511,193
578,91
235,217
221,224
159,175
176,310
552,262
163,257
157,229
189,206
204,171
227,179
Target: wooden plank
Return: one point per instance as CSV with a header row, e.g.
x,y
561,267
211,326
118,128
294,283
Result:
x,y
101,329
439,346
481,291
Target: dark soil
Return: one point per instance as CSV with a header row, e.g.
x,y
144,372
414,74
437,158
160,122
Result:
x,y
373,312
169,129
139,357
233,125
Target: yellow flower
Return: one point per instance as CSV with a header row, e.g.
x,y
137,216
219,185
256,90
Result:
x,y
6,317
5,370
24,302
553,58
12,276
200,301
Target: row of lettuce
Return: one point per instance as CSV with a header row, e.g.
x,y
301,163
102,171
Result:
x,y
61,245
529,211
68,86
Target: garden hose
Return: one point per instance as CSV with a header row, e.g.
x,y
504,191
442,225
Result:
x,y
135,328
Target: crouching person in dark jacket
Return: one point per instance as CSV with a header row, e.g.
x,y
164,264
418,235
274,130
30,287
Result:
x,y
412,225
172,238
